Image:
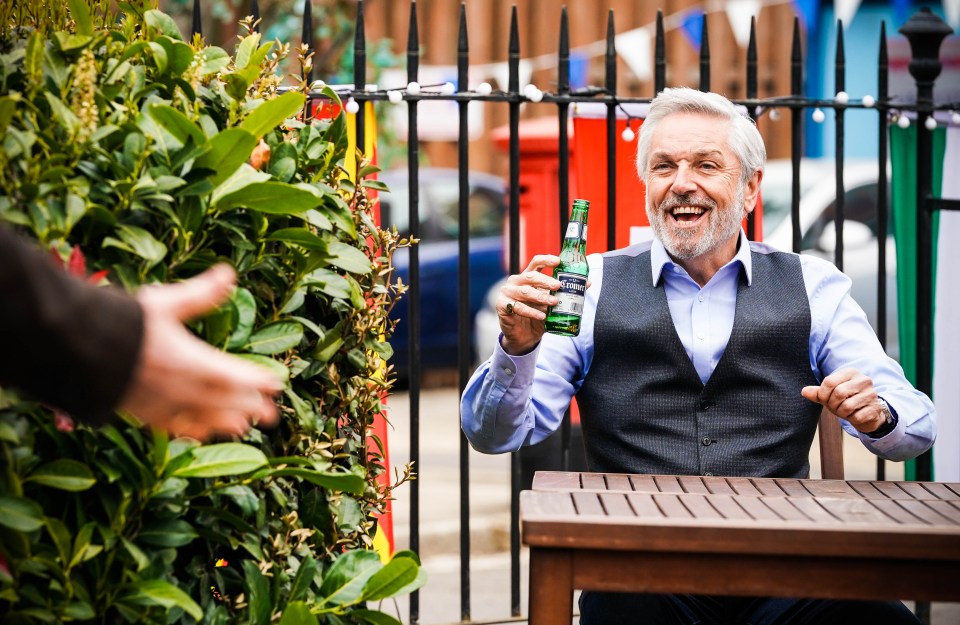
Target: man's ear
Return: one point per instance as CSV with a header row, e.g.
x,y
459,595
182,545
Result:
x,y
751,191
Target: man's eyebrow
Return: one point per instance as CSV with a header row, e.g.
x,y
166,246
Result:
x,y
700,154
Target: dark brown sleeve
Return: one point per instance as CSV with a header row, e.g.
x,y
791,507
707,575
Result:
x,y
67,343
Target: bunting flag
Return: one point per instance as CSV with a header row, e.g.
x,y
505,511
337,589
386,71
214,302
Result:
x,y
946,361
633,47
844,10
739,13
951,11
692,25
809,13
903,187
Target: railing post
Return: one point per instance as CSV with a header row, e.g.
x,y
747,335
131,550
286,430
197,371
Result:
x,y
925,31
883,203
840,85
752,89
306,35
413,187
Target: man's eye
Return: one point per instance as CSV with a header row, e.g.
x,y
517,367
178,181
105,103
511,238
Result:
x,y
708,165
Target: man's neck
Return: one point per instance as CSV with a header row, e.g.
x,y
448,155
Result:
x,y
702,268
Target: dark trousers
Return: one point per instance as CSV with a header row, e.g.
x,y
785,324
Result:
x,y
611,608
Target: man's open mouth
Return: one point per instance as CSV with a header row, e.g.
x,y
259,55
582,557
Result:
x,y
687,214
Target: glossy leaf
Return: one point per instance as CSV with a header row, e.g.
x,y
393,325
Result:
x,y
171,533
64,474
298,236
138,241
176,123
346,482
275,198
303,579
213,60
344,581
401,575
348,258
159,592
258,594
277,368
246,307
81,17
18,513
276,338
162,23
223,459
373,617
226,152
297,613
272,113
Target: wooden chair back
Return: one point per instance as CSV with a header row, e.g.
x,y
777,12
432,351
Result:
x,y
831,446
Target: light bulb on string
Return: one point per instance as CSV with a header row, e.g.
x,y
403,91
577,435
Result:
x,y
413,88
628,134
818,116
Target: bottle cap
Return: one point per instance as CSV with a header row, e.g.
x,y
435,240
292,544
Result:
x,y
584,204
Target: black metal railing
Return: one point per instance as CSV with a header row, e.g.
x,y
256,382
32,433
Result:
x,y
925,32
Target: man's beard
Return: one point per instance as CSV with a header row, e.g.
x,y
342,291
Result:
x,y
681,243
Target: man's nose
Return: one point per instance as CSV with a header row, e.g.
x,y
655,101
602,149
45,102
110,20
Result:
x,y
684,181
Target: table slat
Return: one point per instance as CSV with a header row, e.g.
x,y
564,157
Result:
x,y
619,482
644,506
616,505
693,484
668,484
784,509
728,508
587,504
743,486
757,508
644,484
923,512
718,485
672,507
857,511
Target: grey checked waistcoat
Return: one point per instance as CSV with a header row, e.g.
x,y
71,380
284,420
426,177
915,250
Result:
x,y
643,406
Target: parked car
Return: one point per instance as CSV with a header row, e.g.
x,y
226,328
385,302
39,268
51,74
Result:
x,y
817,213
439,253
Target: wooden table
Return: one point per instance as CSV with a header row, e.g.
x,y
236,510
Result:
x,y
737,536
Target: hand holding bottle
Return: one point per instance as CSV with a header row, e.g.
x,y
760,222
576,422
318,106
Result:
x,y
522,305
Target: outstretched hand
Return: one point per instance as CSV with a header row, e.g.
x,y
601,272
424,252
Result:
x,y
185,386
850,395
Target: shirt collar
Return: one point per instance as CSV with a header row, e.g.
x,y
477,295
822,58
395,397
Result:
x,y
659,259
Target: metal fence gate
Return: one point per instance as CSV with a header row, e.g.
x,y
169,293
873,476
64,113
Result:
x,y
925,32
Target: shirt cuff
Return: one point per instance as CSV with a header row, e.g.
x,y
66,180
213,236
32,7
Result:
x,y
511,370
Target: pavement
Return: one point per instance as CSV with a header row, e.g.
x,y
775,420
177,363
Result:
x,y
489,494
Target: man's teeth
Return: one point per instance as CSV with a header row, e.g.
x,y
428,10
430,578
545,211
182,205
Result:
x,y
688,210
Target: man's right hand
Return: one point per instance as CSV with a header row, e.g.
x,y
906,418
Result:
x,y
522,305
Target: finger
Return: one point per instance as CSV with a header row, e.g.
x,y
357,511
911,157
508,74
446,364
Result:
x,y
540,261
812,393
197,296
517,308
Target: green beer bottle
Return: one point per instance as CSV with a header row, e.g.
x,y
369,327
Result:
x,y
564,318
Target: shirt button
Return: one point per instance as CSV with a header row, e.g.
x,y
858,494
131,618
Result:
x,y
704,405
508,370
699,337
707,474
706,441
700,297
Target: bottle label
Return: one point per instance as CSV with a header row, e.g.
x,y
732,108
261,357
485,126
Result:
x,y
573,230
573,286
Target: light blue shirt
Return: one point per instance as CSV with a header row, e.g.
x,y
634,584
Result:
x,y
519,400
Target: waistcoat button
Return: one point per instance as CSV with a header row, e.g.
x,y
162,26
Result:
x,y
706,440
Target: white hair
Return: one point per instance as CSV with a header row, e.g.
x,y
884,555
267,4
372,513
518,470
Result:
x,y
745,140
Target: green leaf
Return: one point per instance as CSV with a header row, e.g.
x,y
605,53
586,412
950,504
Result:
x,y
79,611
298,236
246,49
272,113
61,538
179,54
18,513
62,113
214,60
349,258
81,16
276,198
159,592
246,307
374,617
331,283
277,368
258,594
139,242
64,474
33,60
297,613
303,579
343,583
223,459
162,23
328,346
276,338
227,151
170,533
138,555
398,574
345,482
176,123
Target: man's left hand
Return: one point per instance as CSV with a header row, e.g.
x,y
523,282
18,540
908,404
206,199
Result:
x,y
850,395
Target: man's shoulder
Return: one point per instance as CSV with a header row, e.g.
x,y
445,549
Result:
x,y
631,250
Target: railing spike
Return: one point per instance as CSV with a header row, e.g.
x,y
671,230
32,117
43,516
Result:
x,y
413,45
513,53
705,56
660,57
255,13
563,55
196,27
307,34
